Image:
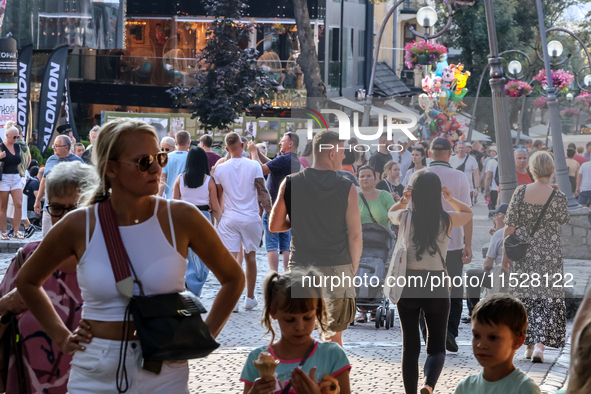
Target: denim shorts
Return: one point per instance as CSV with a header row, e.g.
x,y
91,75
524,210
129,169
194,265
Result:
x,y
276,241
585,198
11,182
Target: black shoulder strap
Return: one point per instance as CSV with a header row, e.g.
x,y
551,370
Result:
x,y
369,210
531,177
542,213
308,352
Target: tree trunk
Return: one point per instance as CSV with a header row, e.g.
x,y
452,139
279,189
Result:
x,y
308,58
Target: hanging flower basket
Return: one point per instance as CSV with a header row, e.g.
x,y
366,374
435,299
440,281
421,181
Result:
x,y
570,112
583,101
518,89
561,79
423,53
540,102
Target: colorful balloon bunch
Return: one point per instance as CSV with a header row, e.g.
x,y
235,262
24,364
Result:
x,y
443,99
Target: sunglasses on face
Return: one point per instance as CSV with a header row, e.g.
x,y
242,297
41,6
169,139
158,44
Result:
x,y
144,163
165,149
57,211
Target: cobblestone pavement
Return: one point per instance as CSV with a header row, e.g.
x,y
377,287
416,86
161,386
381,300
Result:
x,y
374,354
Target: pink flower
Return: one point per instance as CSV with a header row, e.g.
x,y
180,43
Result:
x,y
560,78
518,89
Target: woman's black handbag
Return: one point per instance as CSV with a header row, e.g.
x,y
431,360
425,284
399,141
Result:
x,y
515,247
169,326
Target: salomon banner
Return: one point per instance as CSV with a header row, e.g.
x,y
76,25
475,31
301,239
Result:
x,y
68,108
52,94
24,88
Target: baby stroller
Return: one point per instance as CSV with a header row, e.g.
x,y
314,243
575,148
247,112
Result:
x,y
378,246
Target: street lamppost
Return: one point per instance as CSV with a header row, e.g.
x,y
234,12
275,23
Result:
x,y
561,169
515,67
507,170
426,17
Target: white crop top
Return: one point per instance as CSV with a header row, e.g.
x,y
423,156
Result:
x,y
159,267
197,196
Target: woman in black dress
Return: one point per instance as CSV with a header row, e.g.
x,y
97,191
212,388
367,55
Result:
x,y
540,272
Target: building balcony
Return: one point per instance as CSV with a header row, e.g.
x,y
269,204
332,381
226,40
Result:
x,y
410,7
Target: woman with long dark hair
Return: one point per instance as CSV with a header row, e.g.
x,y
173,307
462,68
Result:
x,y
419,161
425,250
196,186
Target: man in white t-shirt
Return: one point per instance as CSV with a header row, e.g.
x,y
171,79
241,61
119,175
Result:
x,y
240,182
467,164
491,186
584,184
404,158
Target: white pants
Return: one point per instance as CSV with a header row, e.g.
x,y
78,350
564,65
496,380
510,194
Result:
x,y
46,222
10,208
94,371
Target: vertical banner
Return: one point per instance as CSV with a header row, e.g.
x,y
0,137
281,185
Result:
x,y
52,94
68,108
24,88
8,83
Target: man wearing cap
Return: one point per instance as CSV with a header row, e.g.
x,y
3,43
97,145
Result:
x,y
404,158
494,258
490,181
459,251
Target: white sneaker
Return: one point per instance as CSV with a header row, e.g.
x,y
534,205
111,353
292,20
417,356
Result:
x,y
236,309
250,303
537,356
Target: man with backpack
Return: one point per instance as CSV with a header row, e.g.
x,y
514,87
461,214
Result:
x,y
468,165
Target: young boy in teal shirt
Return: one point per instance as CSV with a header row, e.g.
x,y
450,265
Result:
x,y
499,322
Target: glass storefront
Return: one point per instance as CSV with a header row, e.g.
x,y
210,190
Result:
x,y
48,24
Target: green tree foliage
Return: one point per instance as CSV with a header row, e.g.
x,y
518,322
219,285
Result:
x,y
228,80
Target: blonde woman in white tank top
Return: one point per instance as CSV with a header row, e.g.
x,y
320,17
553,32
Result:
x,y
157,235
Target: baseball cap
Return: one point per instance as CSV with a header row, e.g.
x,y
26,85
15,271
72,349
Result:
x,y
440,143
403,139
502,208
493,147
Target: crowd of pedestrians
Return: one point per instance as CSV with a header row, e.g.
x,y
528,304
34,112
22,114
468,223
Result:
x,y
184,211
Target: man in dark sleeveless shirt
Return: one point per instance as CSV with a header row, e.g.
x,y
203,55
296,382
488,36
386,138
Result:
x,y
322,210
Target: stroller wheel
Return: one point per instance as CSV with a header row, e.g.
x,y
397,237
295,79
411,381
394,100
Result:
x,y
389,319
378,317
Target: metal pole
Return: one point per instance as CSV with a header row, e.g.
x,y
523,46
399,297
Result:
x,y
507,170
560,167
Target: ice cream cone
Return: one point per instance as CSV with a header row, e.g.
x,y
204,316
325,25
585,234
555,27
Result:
x,y
266,364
